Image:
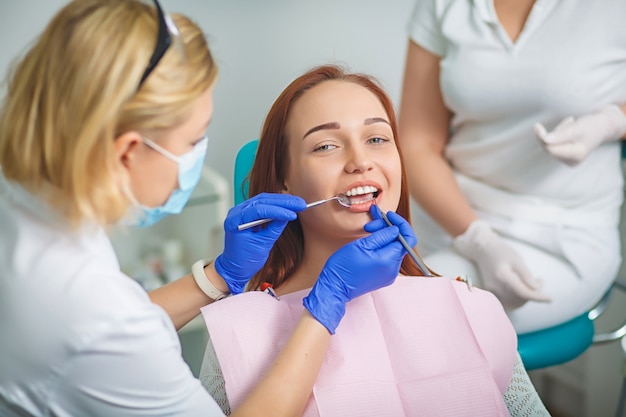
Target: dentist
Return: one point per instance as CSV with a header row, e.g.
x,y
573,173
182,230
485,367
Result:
x,y
101,125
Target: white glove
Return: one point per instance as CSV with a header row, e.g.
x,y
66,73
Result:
x,y
573,139
502,270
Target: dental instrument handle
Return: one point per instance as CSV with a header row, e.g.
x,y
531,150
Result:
x,y
409,249
248,225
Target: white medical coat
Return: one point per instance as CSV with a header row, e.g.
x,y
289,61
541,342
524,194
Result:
x,y
79,337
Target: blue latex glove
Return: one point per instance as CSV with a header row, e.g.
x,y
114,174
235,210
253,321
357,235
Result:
x,y
246,251
359,267
378,223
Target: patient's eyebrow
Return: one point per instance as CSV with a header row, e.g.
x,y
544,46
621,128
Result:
x,y
324,126
373,120
335,125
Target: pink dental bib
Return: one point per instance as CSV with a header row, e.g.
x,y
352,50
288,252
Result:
x,y
420,347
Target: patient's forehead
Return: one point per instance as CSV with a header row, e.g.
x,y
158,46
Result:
x,y
332,101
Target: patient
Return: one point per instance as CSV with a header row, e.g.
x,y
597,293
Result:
x,y
422,346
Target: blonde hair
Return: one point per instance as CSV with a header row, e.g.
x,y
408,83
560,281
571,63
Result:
x,y
76,90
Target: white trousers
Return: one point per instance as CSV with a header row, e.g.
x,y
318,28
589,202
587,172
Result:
x,y
577,265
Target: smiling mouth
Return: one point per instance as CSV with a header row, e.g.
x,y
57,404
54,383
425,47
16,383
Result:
x,y
362,195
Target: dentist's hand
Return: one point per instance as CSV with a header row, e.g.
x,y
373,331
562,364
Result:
x,y
359,267
502,270
246,251
573,139
378,223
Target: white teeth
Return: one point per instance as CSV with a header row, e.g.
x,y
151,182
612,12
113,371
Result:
x,y
367,189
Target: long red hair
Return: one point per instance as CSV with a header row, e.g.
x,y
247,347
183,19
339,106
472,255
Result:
x,y
271,163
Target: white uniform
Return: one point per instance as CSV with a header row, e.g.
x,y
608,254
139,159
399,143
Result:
x,y
80,338
569,60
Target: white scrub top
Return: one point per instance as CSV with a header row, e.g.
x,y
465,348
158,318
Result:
x,y
569,60
78,337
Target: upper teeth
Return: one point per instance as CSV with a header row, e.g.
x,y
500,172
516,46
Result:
x,y
367,189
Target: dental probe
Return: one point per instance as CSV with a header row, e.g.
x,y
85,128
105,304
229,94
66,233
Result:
x,y
343,199
412,253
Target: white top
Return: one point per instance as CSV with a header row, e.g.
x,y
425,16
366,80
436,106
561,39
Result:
x,y
80,338
569,60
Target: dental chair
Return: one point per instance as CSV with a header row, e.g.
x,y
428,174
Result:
x,y
544,348
243,165
565,342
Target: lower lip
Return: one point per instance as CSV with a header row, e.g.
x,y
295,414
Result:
x,y
362,207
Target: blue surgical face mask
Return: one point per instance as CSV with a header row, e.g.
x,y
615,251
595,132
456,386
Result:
x,y
189,173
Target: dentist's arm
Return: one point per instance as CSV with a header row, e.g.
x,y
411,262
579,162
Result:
x,y
244,254
423,132
183,298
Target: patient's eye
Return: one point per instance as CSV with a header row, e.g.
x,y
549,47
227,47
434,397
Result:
x,y
378,139
324,147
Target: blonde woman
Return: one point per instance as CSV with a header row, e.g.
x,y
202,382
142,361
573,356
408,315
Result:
x,y
101,125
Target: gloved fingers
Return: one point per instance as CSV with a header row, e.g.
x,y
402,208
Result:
x,y
380,238
257,211
538,284
569,153
565,122
378,223
564,132
225,268
264,211
561,151
375,225
375,212
287,201
519,267
405,227
272,229
364,267
524,284
523,291
514,283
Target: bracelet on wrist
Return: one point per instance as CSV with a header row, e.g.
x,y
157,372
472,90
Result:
x,y
197,271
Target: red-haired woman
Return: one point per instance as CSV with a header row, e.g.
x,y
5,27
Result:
x,y
421,346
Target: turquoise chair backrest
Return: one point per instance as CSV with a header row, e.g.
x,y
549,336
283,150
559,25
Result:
x,y
556,345
243,165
